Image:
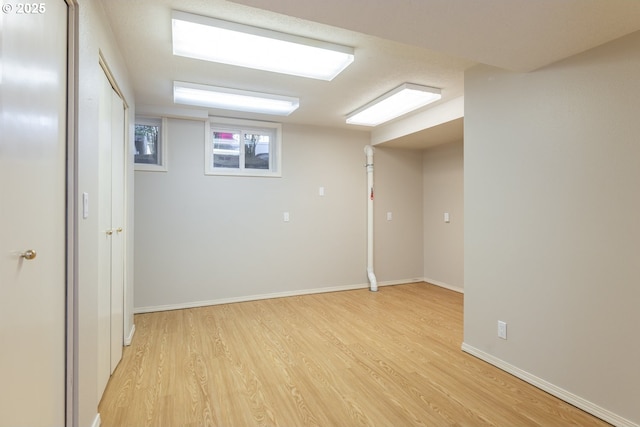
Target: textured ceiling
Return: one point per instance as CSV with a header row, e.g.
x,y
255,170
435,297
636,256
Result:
x,y
519,35
429,42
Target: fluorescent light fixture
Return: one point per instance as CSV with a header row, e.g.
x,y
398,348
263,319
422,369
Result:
x,y
399,101
211,39
233,99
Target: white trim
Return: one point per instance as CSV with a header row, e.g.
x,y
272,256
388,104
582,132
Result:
x,y
550,388
444,285
275,149
72,216
129,338
167,307
96,421
112,80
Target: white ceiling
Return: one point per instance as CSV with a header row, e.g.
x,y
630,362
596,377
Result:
x,y
429,42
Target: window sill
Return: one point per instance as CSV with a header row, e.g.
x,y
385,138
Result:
x,y
229,172
149,168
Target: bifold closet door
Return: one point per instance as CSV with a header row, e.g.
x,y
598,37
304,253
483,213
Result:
x,y
111,134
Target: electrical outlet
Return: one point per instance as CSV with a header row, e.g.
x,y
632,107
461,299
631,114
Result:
x,y
502,329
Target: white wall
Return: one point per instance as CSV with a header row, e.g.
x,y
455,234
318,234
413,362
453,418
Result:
x,y
209,238
443,174
94,36
552,236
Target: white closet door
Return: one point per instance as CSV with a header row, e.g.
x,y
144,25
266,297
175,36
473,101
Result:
x,y
111,136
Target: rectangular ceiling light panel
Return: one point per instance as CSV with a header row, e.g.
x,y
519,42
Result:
x,y
215,40
233,99
399,101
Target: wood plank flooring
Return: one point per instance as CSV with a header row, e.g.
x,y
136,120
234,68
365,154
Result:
x,y
353,358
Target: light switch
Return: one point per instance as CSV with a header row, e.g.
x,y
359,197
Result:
x,y
389,216
85,205
502,329
285,216
321,191
446,217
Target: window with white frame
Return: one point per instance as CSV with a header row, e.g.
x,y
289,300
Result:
x,y
150,144
242,147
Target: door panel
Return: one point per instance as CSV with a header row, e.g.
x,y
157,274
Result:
x,y
104,236
111,132
33,106
117,223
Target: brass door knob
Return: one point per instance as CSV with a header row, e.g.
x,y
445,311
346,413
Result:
x,y
109,232
30,254
119,229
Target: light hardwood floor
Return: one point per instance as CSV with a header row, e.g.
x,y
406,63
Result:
x,y
353,358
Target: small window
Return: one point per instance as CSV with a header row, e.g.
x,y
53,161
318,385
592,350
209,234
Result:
x,y
242,147
151,146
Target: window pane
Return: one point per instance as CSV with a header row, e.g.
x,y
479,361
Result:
x,y
238,147
147,147
256,151
226,150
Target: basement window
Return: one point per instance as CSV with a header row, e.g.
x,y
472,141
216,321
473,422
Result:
x,y
150,144
243,148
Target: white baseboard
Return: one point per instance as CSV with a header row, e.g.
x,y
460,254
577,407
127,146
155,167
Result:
x,y
444,285
96,421
552,389
167,307
129,338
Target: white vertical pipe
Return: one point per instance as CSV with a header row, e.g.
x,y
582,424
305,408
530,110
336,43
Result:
x,y
373,283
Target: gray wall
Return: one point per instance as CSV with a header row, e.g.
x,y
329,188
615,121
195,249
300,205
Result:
x,y
398,190
552,234
204,238
443,175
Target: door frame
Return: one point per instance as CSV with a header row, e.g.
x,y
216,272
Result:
x,y
71,315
